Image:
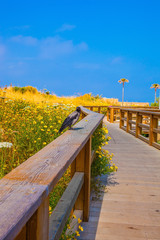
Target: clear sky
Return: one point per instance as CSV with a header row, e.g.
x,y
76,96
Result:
x,y
80,46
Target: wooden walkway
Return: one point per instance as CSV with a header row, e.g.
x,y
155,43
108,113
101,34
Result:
x,y
129,208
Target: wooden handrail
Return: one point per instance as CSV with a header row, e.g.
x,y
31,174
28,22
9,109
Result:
x,y
113,112
156,112
24,192
146,123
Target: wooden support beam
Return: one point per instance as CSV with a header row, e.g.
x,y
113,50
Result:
x,y
132,122
108,114
138,121
83,164
129,117
152,134
111,115
37,228
143,138
121,123
62,211
156,145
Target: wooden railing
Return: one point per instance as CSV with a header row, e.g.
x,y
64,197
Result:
x,y
142,124
24,192
113,112
98,109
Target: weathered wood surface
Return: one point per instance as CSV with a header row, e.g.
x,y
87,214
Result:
x,y
129,208
62,211
23,190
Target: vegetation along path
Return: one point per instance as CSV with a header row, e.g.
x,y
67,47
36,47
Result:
x,y
129,208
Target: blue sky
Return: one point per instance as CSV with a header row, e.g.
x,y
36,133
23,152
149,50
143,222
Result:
x,y
75,47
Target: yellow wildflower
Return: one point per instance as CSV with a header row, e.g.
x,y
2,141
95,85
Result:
x,y
68,226
77,233
79,220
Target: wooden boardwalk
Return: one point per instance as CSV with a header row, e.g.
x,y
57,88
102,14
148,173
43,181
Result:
x,y
129,208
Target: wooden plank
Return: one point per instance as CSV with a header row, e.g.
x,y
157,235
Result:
x,y
87,180
132,132
142,112
124,128
156,145
143,138
124,119
111,115
132,122
156,130
142,125
157,117
62,211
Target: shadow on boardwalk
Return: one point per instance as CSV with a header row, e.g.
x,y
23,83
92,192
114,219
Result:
x,y
105,181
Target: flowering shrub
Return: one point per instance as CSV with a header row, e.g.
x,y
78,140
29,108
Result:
x,y
102,163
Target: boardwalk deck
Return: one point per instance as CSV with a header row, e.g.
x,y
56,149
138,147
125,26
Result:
x,y
129,209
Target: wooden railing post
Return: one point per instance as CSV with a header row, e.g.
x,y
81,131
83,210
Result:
x,y
111,115
83,164
37,228
153,124
108,112
129,117
121,123
138,120
99,109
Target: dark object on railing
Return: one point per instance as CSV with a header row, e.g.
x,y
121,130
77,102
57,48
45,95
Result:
x,y
24,192
71,119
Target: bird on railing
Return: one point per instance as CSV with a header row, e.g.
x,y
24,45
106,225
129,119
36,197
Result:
x,y
71,119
